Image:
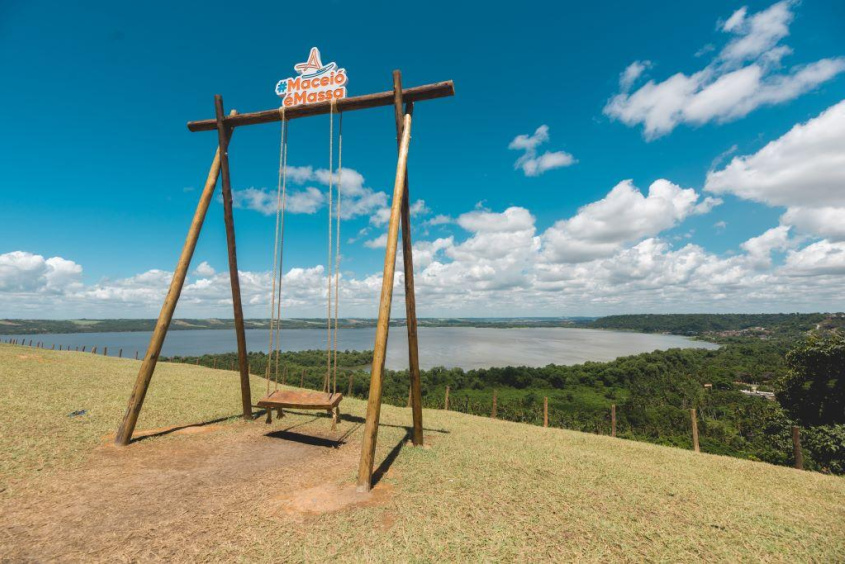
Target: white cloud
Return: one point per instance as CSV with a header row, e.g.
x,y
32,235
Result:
x,y
379,242
500,265
760,248
820,258
440,219
804,171
204,269
745,75
356,199
625,215
22,271
381,216
306,201
533,164
631,73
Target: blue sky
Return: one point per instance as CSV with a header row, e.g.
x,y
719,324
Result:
x,y
101,176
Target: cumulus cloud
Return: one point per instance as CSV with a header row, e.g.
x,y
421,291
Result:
x,y
803,170
531,162
631,73
204,269
625,215
357,199
501,263
22,271
379,242
745,75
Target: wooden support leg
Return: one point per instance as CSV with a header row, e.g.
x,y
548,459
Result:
x,y
368,448
269,415
280,413
223,136
415,394
145,373
334,419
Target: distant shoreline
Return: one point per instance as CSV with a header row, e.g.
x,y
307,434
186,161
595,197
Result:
x,y
698,325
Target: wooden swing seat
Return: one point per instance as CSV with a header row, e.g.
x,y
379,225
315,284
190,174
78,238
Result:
x,y
300,399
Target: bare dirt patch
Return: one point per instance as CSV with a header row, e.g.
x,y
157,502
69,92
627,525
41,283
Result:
x,y
167,498
327,498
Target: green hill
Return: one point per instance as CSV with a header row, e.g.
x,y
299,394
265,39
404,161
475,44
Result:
x,y
485,490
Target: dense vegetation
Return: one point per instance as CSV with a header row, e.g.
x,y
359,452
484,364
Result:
x,y
704,323
653,393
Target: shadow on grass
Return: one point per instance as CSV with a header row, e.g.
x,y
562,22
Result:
x,y
311,440
391,457
142,435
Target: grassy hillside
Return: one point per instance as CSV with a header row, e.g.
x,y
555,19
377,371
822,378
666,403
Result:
x,y
485,491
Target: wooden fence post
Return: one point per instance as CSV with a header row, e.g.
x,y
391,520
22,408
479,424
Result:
x,y
446,400
120,353
105,351
545,412
494,412
613,420
796,447
136,355
694,420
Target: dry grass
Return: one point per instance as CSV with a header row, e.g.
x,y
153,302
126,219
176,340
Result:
x,y
485,490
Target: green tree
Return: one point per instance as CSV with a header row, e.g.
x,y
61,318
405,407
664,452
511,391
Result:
x,y
813,389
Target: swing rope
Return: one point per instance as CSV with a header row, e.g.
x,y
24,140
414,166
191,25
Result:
x,y
330,381
337,248
327,379
275,309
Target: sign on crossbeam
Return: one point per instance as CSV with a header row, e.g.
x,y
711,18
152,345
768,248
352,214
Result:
x,y
315,82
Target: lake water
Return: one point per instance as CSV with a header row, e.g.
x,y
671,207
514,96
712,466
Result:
x,y
465,347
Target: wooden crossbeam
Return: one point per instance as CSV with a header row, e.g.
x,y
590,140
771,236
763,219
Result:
x,y
416,94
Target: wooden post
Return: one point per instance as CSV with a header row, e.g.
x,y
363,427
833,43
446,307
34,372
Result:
x,y
446,400
94,350
613,420
545,412
349,389
145,373
105,351
415,394
796,447
120,353
409,397
694,430
368,447
223,136
494,412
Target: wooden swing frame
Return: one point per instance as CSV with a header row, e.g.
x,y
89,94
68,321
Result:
x,y
399,213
